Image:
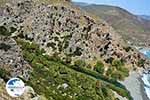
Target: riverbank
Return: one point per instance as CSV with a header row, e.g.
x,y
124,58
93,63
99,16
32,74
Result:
x,y
135,85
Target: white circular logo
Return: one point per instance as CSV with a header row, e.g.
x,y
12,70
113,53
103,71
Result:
x,y
15,87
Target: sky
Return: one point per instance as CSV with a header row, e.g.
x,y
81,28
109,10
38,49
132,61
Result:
x,y
138,7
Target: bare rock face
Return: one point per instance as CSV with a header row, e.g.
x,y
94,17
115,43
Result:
x,y
65,31
11,58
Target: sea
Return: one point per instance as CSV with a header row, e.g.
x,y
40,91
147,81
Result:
x,y
146,80
145,51
146,74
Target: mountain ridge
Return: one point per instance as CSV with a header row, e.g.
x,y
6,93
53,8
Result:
x,y
130,26
147,17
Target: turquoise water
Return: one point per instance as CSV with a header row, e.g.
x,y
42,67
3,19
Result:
x,y
146,52
146,80
146,77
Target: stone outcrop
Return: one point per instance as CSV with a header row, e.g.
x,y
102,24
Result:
x,y
11,58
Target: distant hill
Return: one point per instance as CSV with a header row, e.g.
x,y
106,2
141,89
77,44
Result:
x,y
145,17
132,28
81,4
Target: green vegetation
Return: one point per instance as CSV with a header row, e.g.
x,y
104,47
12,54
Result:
x,y
50,74
78,51
141,63
118,63
4,74
127,49
4,46
99,67
12,29
118,71
80,63
5,32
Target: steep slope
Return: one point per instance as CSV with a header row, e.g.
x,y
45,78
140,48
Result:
x,y
131,27
72,54
63,30
11,58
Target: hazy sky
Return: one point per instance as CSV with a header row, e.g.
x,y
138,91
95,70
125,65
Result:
x,y
140,7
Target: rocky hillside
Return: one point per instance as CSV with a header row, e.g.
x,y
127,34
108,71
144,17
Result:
x,y
11,58
65,51
63,31
133,28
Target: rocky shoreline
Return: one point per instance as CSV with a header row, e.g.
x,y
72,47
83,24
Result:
x,y
144,96
135,86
